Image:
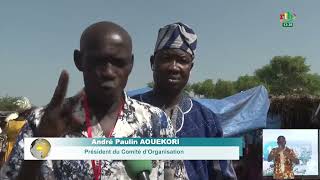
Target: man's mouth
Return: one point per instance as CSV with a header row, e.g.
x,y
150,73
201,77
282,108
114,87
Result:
x,y
173,79
107,84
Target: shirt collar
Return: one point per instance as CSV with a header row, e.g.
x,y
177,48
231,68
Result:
x,y
185,103
123,127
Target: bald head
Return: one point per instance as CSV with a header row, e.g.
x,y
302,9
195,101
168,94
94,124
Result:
x,y
104,32
105,58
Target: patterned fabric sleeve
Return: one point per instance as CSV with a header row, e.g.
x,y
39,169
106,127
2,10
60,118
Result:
x,y
161,125
167,169
222,169
166,128
12,167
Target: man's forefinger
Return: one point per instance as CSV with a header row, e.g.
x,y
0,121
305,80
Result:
x,y
61,90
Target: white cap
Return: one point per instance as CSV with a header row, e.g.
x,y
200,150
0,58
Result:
x,y
11,116
23,103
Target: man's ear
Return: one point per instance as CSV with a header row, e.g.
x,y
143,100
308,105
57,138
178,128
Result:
x,y
77,59
152,62
131,64
132,59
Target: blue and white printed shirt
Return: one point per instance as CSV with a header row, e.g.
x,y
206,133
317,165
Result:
x,y
137,119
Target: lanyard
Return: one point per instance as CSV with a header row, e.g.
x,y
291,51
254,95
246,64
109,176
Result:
x,y
97,167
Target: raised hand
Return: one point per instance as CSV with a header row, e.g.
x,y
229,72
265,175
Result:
x,y
57,115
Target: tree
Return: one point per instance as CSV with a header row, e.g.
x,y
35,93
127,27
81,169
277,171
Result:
x,y
313,83
205,88
224,89
7,103
246,82
287,75
196,88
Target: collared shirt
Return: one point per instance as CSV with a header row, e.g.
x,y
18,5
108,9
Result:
x,y
195,120
136,120
283,166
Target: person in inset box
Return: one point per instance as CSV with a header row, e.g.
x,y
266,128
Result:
x,y
283,158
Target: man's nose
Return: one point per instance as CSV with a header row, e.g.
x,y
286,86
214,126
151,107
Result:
x,y
174,66
106,71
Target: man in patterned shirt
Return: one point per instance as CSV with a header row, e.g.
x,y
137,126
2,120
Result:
x,y
283,158
101,109
171,64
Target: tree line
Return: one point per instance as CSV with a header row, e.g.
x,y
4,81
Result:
x,y
7,103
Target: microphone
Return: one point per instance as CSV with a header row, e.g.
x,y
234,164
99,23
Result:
x,y
138,169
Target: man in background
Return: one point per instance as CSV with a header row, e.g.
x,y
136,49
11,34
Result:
x,y
171,64
15,121
283,158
